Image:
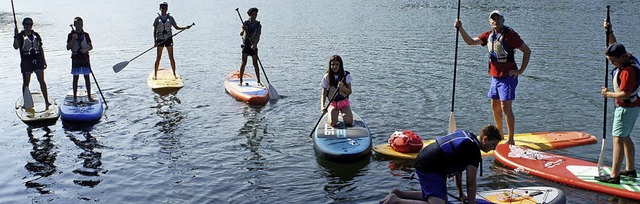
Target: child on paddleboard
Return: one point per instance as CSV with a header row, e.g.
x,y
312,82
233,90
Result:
x,y
32,58
79,43
336,79
162,36
251,30
625,85
449,156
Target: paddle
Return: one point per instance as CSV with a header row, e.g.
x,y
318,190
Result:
x,y
94,77
273,94
118,67
27,99
325,108
604,112
452,119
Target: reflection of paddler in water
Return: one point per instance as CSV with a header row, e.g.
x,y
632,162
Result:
x,y
91,164
44,156
254,130
336,79
166,109
32,57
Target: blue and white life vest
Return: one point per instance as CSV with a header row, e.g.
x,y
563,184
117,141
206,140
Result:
x,y
333,89
80,43
616,82
163,27
498,51
31,46
451,142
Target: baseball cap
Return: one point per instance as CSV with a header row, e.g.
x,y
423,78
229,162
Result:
x,y
495,12
616,50
164,3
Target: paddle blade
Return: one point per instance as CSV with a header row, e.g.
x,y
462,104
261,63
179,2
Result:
x,y
452,123
118,67
273,94
27,99
601,159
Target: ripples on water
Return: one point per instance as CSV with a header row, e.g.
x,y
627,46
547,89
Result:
x,y
200,146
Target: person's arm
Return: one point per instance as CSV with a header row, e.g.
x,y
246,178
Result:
x,y
472,172
526,54
457,178
607,27
345,88
70,39
467,39
88,39
323,98
175,25
44,59
16,40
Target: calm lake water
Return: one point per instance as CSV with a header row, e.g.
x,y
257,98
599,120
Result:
x,y
202,146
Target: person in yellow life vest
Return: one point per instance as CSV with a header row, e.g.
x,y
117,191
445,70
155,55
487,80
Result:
x,y
32,58
162,36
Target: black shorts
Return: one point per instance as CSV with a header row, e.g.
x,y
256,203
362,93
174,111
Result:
x,y
31,64
247,50
164,43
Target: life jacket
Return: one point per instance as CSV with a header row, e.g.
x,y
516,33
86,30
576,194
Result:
x,y
163,27
80,43
31,46
333,89
616,83
406,141
450,143
498,51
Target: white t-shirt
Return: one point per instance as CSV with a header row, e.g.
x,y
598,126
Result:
x,y
325,80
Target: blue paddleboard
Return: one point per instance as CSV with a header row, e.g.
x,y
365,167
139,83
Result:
x,y
82,110
341,143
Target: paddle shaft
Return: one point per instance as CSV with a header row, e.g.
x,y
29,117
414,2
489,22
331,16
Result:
x,y
192,24
604,108
15,22
325,109
455,63
251,41
94,77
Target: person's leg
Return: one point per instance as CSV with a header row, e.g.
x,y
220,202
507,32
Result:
x,y
508,114
255,67
496,106
87,85
629,153
617,156
348,115
43,87
333,115
173,62
26,78
394,199
242,65
75,88
158,56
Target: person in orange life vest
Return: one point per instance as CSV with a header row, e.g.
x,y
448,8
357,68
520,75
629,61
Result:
x,y
32,57
251,31
162,36
79,43
625,84
449,155
336,78
502,42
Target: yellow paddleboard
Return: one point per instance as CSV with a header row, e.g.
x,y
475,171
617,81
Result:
x,y
39,113
165,80
541,141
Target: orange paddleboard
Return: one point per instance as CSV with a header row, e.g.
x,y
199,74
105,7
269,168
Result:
x,y
249,92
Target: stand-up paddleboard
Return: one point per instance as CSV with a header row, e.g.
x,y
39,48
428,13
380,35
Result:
x,y
249,92
165,81
523,195
39,113
82,110
542,141
341,143
566,170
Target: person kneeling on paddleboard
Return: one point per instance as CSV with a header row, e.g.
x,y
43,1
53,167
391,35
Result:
x,y
626,84
449,156
336,79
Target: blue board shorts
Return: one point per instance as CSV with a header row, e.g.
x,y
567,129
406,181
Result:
x,y
623,121
503,88
432,184
80,71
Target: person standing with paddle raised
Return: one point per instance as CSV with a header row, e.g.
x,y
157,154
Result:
x,y
162,36
626,82
502,42
32,58
251,31
79,43
336,87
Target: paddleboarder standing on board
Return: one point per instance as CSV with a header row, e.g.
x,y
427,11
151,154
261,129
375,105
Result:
x,y
251,31
79,43
162,36
502,42
336,79
625,85
32,57
449,156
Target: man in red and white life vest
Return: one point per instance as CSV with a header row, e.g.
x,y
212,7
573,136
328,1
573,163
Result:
x,y
502,42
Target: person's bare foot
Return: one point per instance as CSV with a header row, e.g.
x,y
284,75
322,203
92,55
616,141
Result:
x,y
393,198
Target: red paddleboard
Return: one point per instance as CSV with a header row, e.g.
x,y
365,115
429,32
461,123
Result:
x,y
249,92
566,170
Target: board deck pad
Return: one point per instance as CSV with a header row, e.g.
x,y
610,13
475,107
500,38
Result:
x,y
566,170
38,113
82,109
250,91
165,80
543,141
